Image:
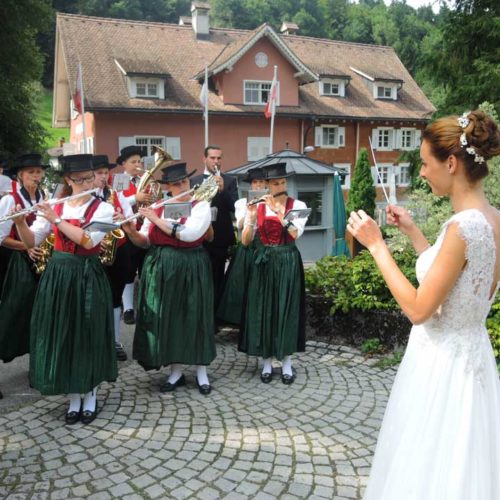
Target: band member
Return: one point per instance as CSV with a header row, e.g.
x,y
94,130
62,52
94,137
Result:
x,y
72,341
131,162
18,291
117,269
236,279
218,248
175,321
273,324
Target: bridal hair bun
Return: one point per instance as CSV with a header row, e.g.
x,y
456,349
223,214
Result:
x,y
473,137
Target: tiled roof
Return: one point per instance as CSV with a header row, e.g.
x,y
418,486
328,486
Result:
x,y
169,49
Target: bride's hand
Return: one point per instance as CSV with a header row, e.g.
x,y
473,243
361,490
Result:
x,y
364,229
399,217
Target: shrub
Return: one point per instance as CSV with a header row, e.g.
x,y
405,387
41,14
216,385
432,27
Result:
x,y
362,192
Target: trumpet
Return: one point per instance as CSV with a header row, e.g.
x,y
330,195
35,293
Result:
x,y
58,201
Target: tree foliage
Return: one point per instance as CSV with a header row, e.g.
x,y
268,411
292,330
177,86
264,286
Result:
x,y
362,192
21,65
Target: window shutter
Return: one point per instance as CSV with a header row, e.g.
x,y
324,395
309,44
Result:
x,y
374,175
173,147
318,136
392,139
341,136
375,138
398,134
418,138
123,142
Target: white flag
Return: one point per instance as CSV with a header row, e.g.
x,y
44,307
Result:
x,y
204,97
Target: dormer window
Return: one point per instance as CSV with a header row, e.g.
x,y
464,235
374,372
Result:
x,y
385,90
332,87
257,92
146,88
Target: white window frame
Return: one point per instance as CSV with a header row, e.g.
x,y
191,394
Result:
x,y
260,83
90,146
385,170
376,136
402,169
330,81
171,144
392,88
134,81
339,139
257,148
415,135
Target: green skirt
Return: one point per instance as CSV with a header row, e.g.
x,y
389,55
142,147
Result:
x,y
72,337
16,303
274,317
232,300
175,318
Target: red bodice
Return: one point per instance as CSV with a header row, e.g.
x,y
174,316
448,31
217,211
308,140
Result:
x,y
63,243
269,228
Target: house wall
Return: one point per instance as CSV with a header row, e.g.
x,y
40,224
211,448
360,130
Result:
x,y
232,82
229,133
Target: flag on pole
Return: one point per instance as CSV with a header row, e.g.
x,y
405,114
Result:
x,y
78,95
271,99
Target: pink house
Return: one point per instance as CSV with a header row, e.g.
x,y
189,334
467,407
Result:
x,y
142,82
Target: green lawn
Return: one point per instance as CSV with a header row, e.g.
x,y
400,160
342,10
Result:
x,y
45,119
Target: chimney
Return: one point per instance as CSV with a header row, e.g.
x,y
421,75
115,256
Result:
x,y
200,20
185,21
288,28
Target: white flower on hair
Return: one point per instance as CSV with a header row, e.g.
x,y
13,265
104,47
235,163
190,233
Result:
x,y
477,158
463,121
463,140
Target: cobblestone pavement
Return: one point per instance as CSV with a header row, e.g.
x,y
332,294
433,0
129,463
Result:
x,y
313,439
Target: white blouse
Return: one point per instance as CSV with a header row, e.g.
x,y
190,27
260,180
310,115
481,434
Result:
x,y
195,226
240,210
7,203
42,227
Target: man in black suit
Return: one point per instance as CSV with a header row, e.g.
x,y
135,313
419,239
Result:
x,y
224,200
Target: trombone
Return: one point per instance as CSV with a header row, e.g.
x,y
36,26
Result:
x,y
58,201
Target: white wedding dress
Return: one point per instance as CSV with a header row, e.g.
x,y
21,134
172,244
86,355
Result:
x,y
440,437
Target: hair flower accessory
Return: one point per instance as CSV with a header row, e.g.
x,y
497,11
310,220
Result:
x,y
463,121
463,140
472,152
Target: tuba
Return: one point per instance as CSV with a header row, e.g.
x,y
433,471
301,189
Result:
x,y
147,181
109,244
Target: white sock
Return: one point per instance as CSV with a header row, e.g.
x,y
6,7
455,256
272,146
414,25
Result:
x,y
90,400
75,400
286,365
175,373
117,311
201,375
268,365
128,297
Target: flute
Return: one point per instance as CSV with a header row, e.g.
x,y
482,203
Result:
x,y
58,201
260,200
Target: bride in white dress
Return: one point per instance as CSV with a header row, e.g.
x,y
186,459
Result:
x,y
440,437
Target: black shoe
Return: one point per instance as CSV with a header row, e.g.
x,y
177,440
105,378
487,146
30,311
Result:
x,y
266,377
204,389
169,387
287,379
121,355
128,317
89,416
72,417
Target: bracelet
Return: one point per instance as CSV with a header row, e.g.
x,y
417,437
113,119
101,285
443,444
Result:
x,y
174,229
85,238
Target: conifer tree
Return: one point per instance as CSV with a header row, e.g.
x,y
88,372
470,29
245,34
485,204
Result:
x,y
362,192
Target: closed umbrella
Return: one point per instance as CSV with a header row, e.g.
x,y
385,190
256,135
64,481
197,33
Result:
x,y
339,219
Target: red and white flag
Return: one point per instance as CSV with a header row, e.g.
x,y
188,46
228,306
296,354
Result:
x,y
78,95
271,99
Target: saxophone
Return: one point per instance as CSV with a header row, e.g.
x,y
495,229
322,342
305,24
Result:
x,y
47,247
109,244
